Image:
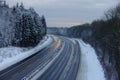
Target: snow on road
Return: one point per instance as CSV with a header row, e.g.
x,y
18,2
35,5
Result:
x,y
13,55
90,67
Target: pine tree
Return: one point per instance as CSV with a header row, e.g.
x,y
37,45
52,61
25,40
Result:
x,y
4,3
44,25
22,7
17,5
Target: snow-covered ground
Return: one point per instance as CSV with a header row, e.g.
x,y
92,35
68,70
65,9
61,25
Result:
x,y
12,55
90,67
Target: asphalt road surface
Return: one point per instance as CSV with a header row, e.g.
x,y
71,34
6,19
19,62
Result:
x,y
58,61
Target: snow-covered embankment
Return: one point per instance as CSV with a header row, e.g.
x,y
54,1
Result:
x,y
13,55
90,67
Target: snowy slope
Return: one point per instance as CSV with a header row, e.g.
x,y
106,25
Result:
x,y
12,55
90,67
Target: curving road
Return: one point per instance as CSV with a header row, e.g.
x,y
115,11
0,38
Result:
x,y
58,61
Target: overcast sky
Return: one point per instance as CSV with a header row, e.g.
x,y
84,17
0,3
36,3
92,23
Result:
x,y
66,13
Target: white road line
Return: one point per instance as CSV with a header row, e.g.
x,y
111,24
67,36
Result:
x,y
47,66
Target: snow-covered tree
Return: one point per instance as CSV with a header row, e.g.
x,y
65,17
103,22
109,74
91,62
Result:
x,y
3,3
20,27
21,6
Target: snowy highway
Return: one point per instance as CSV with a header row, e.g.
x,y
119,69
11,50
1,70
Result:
x,y
63,59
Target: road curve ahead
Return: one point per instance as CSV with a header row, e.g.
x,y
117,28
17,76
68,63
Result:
x,y
58,61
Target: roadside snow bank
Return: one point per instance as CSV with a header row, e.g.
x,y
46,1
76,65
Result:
x,y
13,55
90,67
9,52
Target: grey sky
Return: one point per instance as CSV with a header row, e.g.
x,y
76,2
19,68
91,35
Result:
x,y
60,13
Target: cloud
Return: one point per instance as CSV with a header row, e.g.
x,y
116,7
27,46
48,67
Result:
x,y
68,12
30,3
64,24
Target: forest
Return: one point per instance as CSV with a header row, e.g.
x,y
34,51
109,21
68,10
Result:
x,y
24,26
